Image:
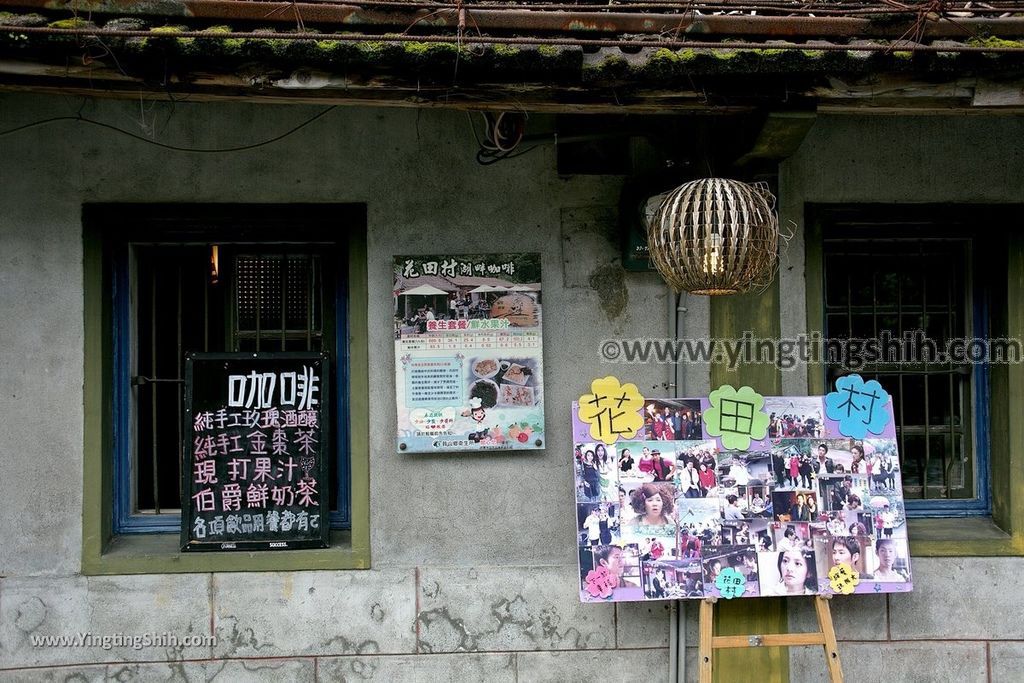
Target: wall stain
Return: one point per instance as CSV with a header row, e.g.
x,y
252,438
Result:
x,y
609,281
467,642
432,593
250,666
366,647
175,654
124,674
511,615
76,678
513,612
356,669
377,613
221,665
549,621
364,670
178,672
236,638
30,614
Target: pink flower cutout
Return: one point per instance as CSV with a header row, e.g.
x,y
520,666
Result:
x,y
601,582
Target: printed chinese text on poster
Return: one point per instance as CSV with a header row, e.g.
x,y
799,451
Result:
x,y
468,364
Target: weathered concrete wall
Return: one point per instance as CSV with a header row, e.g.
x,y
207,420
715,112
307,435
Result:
x,y
472,555
957,625
883,159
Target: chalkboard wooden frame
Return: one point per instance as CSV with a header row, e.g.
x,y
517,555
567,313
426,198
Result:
x,y
267,361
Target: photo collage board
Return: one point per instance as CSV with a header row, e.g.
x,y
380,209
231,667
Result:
x,y
668,512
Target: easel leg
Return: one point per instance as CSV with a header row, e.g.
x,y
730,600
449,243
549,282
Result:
x,y
835,671
707,612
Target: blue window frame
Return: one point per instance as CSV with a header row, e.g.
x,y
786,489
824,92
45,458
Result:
x,y
897,270
171,295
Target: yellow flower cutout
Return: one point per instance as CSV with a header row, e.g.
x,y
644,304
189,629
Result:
x,y
843,578
612,410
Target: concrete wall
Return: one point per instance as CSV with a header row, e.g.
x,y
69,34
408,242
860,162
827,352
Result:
x,y
956,625
471,554
473,562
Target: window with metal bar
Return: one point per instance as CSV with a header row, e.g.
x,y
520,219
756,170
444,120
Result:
x,y
951,269
175,297
912,288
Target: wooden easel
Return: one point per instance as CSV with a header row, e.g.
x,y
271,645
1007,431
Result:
x,y
826,637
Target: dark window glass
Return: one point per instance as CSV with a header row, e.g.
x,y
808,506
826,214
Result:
x,y
908,286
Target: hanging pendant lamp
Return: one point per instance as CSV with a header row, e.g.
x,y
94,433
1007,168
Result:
x,y
716,236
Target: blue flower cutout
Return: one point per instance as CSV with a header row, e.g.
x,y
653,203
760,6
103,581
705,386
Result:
x,y
858,406
731,583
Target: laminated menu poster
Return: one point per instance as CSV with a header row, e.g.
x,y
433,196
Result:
x,y
468,366
256,452
737,495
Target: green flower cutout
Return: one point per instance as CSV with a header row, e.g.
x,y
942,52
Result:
x,y
736,417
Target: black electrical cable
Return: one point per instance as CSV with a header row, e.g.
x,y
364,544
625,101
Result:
x,y
502,137
174,148
486,158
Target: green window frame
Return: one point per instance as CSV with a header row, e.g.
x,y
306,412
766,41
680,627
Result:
x,y
1002,229
106,552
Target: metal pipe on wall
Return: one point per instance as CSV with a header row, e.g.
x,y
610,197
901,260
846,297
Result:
x,y
591,21
676,387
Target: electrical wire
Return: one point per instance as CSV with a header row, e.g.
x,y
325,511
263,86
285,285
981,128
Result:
x,y
488,162
173,148
502,136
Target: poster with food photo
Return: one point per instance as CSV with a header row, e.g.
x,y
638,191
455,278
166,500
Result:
x,y
468,362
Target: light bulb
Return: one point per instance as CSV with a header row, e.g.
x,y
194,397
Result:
x,y
214,265
714,257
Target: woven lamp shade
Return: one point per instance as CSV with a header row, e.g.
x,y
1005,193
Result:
x,y
716,236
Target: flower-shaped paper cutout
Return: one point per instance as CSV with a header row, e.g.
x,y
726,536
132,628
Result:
x,y
736,417
601,582
612,410
731,583
843,578
858,406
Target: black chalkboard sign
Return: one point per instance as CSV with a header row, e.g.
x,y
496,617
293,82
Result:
x,y
256,454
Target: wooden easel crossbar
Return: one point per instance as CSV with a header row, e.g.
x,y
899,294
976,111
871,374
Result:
x,y
825,636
